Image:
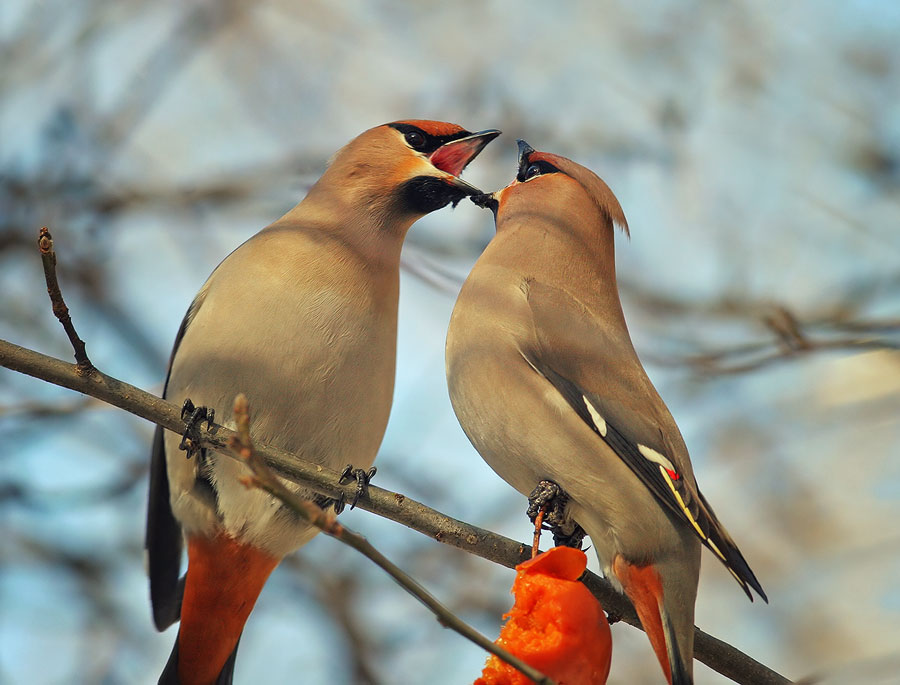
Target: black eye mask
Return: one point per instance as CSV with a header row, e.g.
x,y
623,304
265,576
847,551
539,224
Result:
x,y
429,142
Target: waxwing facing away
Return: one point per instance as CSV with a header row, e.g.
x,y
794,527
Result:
x,y
546,384
302,319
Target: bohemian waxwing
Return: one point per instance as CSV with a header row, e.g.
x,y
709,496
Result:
x,y
302,319
546,384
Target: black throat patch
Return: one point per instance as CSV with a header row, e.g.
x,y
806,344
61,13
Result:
x,y
425,194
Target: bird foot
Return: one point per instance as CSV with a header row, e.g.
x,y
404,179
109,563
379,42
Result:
x,y
548,496
552,499
362,477
563,538
193,417
324,501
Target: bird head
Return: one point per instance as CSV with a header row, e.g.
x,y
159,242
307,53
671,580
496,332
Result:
x,y
551,181
408,168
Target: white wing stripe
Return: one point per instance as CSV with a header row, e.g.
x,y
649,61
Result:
x,y
656,457
595,416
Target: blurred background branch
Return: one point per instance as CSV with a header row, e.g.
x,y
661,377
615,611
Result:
x,y
755,148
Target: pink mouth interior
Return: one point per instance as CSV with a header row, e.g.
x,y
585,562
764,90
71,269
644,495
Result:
x,y
453,157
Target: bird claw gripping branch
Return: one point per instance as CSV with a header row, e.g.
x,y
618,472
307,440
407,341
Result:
x,y
561,538
362,477
548,496
362,488
193,417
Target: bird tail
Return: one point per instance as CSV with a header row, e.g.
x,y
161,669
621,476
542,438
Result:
x,y
674,648
170,675
223,580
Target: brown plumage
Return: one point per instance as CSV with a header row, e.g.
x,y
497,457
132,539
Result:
x,y
302,319
547,385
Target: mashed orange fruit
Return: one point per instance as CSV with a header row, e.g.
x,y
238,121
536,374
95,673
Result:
x,y
555,625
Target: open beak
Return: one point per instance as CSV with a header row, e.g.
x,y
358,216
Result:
x,y
525,151
490,200
454,156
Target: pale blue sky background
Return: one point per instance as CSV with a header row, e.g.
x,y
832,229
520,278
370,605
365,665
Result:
x,y
755,148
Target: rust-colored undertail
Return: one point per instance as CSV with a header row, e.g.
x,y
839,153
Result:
x,y
224,578
643,586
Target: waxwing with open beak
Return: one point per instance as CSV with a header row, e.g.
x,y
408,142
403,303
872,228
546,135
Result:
x,y
302,319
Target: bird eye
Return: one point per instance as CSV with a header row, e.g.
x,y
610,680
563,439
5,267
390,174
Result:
x,y
532,171
415,139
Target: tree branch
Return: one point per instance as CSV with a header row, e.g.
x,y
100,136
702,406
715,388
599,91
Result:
x,y
327,522
60,310
790,335
715,653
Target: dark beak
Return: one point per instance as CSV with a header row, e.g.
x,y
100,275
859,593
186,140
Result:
x,y
525,151
487,200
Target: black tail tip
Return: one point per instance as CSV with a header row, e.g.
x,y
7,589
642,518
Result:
x,y
169,676
680,673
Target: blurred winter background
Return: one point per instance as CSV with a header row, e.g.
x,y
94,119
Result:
x,y
755,147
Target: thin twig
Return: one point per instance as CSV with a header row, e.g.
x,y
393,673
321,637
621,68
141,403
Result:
x,y
60,310
718,363
718,655
536,542
792,335
327,522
